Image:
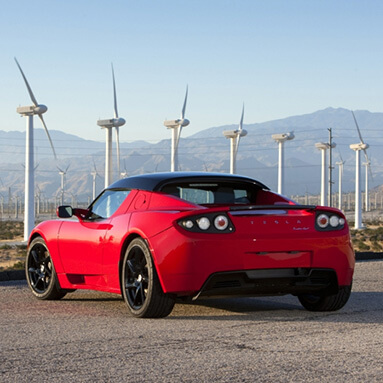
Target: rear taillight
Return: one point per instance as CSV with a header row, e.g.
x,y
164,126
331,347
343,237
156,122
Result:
x,y
329,221
221,222
207,223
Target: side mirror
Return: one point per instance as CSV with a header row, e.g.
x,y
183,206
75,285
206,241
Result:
x,y
64,212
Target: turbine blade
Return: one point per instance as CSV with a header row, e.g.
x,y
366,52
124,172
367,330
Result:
x,y
357,127
49,137
118,150
31,95
370,171
115,95
178,135
241,122
184,107
240,128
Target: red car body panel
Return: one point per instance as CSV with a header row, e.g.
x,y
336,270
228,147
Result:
x,y
88,254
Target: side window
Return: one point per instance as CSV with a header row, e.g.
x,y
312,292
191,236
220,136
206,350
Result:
x,y
107,203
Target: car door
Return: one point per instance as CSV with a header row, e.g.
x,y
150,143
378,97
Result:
x,y
81,242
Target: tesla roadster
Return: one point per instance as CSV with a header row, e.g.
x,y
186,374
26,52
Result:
x,y
157,237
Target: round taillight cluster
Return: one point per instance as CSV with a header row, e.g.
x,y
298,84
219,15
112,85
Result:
x,y
207,223
221,222
327,221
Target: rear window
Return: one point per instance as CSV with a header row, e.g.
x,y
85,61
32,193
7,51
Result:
x,y
214,193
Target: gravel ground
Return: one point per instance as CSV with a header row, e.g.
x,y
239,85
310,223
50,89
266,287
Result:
x,y
89,337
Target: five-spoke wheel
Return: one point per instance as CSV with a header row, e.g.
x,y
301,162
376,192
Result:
x,y
40,273
141,288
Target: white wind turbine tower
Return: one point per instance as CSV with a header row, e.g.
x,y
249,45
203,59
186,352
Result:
x,y
125,172
235,137
94,175
358,194
62,174
281,139
29,112
176,126
108,125
340,164
323,146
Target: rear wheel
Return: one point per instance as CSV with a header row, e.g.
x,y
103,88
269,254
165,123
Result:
x,y
40,272
333,302
141,288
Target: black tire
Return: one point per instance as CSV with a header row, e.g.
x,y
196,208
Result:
x,y
140,286
40,272
333,302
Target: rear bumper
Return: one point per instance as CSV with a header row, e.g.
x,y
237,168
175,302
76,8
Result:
x,y
270,282
187,264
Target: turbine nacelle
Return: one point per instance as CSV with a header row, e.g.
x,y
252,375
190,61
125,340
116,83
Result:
x,y
172,124
32,109
360,146
111,123
282,137
324,145
235,133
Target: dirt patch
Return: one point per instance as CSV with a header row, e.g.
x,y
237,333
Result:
x,y
12,254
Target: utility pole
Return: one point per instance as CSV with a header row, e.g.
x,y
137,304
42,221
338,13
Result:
x,y
330,168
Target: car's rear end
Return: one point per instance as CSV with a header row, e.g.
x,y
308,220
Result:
x,y
267,250
269,247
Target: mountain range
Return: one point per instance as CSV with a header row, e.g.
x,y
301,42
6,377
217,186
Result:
x,y
205,150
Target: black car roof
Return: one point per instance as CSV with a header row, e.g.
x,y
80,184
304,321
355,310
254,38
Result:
x,y
155,181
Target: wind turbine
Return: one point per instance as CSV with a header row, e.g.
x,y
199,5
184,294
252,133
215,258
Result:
x,y
235,137
125,172
62,174
357,148
108,125
176,126
340,164
281,139
94,174
29,112
323,146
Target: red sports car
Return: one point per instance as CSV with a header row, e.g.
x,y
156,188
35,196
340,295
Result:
x,y
157,237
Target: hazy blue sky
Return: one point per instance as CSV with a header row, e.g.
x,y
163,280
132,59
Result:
x,y
280,58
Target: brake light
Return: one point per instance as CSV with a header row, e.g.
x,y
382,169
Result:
x,y
329,221
221,222
207,223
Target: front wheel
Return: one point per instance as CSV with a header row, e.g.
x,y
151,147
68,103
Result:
x,y
40,272
141,288
333,302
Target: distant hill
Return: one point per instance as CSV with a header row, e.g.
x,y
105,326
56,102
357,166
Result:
x,y
205,150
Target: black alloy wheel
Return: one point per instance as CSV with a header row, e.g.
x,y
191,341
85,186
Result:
x,y
141,288
40,272
137,278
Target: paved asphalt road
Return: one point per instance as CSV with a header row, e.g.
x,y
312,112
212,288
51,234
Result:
x,y
88,337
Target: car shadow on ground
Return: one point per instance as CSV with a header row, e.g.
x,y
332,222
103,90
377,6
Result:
x,y
362,307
